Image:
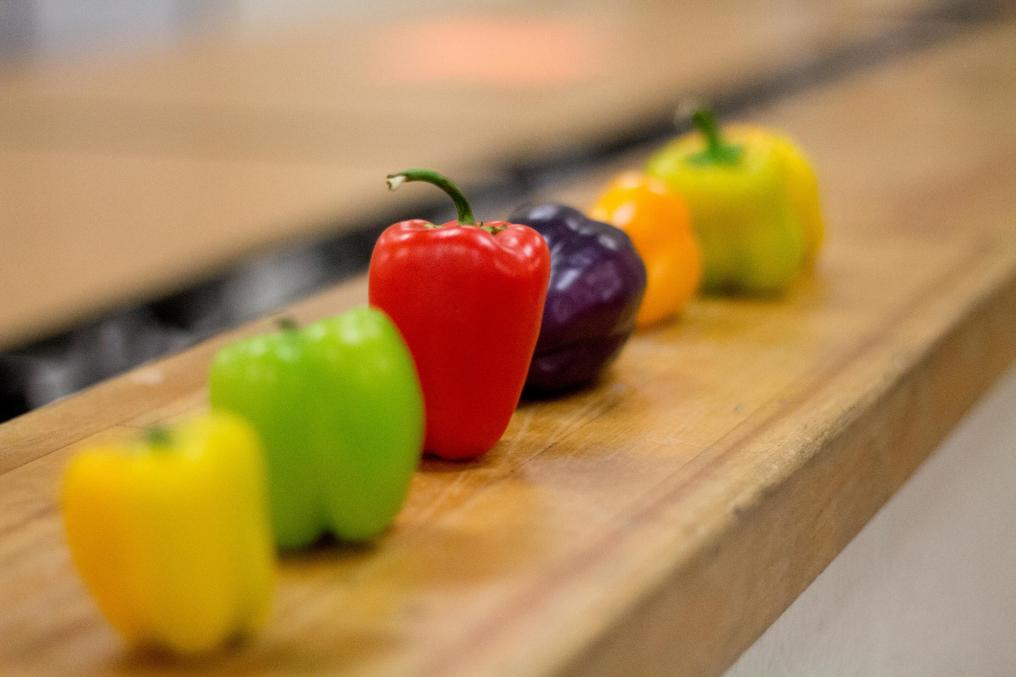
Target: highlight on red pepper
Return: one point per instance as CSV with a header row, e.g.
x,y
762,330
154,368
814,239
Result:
x,y
468,298
597,280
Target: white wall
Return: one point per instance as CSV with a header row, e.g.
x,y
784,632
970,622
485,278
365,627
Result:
x,y
929,585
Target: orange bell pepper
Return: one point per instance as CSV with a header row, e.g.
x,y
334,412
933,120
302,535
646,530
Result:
x,y
659,225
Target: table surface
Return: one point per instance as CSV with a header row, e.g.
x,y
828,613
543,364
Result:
x,y
666,517
222,146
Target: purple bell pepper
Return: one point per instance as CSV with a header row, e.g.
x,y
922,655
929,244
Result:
x,y
596,284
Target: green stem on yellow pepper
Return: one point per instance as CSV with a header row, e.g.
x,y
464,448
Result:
x,y
717,150
158,436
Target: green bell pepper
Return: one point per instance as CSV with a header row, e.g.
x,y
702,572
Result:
x,y
339,409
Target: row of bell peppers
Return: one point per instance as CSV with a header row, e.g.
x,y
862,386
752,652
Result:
x,y
317,430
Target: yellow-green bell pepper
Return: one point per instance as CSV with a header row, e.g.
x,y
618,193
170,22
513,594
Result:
x,y
170,533
754,204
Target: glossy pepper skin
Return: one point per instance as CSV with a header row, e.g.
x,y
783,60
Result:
x,y
658,223
596,284
170,533
802,185
754,204
468,299
339,408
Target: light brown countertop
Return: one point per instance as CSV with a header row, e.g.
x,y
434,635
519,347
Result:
x,y
662,520
128,178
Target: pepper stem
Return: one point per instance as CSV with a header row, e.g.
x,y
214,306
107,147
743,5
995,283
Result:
x,y
465,212
717,149
158,436
286,323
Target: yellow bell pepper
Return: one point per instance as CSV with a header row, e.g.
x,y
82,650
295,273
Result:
x,y
170,533
802,186
754,203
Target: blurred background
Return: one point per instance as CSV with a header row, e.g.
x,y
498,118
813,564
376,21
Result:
x,y
170,168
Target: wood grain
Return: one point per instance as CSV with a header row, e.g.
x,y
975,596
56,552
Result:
x,y
658,522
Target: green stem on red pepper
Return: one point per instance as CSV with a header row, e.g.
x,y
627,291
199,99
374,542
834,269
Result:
x,y
717,150
465,212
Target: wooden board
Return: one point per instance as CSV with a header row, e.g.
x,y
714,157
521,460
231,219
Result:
x,y
86,232
558,65
225,145
659,522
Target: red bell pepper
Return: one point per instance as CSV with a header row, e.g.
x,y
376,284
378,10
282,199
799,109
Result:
x,y
468,298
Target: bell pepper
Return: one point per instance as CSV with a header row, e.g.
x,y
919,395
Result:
x,y
468,298
170,533
338,406
802,185
596,284
753,200
657,221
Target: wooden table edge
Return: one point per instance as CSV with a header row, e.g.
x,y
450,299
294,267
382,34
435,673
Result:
x,y
947,378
